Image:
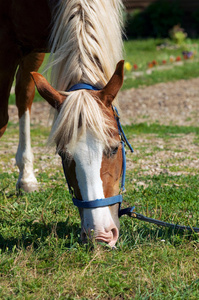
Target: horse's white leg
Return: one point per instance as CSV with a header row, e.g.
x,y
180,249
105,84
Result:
x,y
25,91
24,156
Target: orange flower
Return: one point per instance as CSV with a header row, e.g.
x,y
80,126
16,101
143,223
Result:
x,y
150,65
178,58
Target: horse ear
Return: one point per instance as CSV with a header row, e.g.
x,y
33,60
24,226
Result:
x,y
53,97
109,92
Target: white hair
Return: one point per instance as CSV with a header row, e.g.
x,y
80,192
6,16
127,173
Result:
x,y
79,113
86,44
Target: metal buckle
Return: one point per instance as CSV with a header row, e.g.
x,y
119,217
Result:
x,y
116,114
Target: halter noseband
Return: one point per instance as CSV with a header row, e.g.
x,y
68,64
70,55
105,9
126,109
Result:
x,y
114,199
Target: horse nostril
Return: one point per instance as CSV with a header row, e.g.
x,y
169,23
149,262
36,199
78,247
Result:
x,y
114,233
109,235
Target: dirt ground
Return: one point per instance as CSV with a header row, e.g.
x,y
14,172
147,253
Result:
x,y
168,103
175,103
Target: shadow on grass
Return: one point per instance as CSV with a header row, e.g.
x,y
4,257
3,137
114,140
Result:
x,y
65,235
39,234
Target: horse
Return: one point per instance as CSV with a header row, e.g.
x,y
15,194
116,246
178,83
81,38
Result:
x,y
85,39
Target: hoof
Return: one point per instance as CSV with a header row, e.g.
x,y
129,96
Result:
x,y
27,187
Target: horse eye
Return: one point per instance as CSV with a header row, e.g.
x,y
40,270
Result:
x,y
114,150
64,155
111,151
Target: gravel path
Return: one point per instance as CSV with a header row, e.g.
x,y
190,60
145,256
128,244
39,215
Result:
x,y
168,103
175,103
172,102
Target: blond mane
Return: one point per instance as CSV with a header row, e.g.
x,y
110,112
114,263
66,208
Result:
x,y
79,113
86,44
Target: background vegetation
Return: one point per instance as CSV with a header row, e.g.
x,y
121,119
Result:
x,y
159,60
158,18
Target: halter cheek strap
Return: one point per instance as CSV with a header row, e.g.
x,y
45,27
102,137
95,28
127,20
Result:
x,y
124,142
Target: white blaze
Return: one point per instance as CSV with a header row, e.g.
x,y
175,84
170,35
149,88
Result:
x,y
88,159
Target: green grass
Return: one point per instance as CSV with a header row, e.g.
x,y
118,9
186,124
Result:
x,y
187,71
42,257
161,130
141,52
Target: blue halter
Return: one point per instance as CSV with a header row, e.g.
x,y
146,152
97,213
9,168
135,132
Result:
x,y
82,86
115,199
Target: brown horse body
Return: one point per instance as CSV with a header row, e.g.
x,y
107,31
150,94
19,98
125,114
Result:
x,y
24,31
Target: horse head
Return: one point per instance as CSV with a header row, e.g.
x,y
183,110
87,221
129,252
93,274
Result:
x,y
91,152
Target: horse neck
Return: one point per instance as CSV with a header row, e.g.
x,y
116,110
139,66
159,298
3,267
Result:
x,y
86,41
